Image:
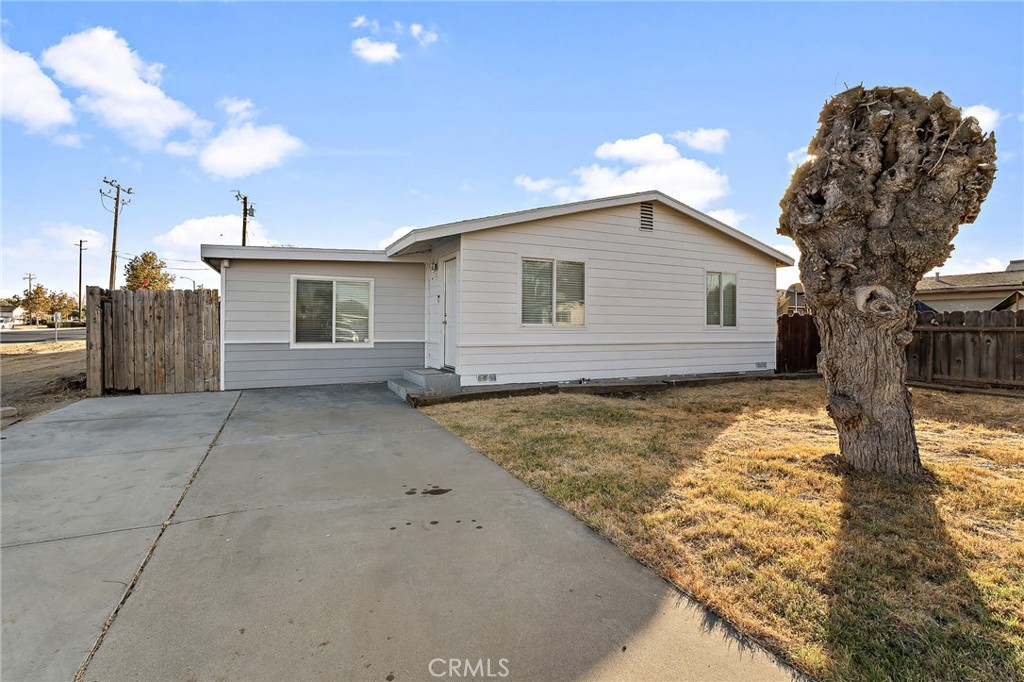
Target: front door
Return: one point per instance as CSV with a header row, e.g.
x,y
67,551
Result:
x,y
450,312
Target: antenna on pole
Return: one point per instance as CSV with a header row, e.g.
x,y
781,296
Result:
x,y
247,212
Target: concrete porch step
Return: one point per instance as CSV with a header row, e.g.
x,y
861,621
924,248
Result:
x,y
433,381
403,388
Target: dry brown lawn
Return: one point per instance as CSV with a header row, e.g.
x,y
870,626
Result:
x,y
39,377
735,494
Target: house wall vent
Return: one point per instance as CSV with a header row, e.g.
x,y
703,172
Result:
x,y
646,216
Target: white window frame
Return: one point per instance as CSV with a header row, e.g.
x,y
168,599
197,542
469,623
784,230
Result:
x,y
554,324
721,300
334,313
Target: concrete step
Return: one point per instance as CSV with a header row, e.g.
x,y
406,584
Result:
x,y
403,388
432,380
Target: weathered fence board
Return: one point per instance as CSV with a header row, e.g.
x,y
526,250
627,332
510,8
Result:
x,y
153,341
976,348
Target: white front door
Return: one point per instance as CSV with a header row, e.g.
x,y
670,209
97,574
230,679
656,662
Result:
x,y
450,312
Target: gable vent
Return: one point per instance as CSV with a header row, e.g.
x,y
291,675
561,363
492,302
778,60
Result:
x,y
646,215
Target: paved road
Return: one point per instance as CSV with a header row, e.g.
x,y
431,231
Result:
x,y
332,533
37,335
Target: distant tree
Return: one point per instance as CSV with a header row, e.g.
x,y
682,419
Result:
x,y
147,272
11,300
61,302
34,301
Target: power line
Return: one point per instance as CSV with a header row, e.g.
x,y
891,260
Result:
x,y
247,212
118,204
81,248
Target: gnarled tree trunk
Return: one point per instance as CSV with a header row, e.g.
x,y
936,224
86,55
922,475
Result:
x,y
891,178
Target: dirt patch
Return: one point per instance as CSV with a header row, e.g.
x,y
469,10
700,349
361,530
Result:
x,y
37,378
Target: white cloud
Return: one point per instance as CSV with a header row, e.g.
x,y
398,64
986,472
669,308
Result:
x,y
375,52
68,140
966,266
797,158
704,139
729,216
28,96
656,164
987,117
247,149
531,185
238,110
182,241
51,252
646,149
119,87
362,22
424,36
397,234
175,148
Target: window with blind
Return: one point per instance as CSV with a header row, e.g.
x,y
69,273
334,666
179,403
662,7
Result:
x,y
333,311
554,293
721,299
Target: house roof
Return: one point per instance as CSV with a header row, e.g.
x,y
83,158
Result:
x,y
215,254
979,281
419,240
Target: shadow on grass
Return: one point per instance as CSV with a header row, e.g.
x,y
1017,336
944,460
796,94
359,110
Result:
x,y
903,606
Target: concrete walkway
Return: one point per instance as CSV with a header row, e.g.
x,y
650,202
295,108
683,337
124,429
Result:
x,y
85,490
306,549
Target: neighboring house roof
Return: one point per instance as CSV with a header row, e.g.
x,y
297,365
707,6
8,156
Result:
x,y
1007,279
421,239
6,308
415,241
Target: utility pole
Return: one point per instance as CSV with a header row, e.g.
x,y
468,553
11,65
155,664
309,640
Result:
x,y
81,248
118,203
247,212
30,276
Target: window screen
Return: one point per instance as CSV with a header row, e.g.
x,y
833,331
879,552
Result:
x,y
714,291
721,299
313,311
352,312
728,300
537,288
554,293
335,311
569,286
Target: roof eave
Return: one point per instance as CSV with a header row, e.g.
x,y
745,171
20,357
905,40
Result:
x,y
426,234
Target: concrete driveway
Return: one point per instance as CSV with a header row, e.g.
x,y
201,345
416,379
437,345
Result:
x,y
332,533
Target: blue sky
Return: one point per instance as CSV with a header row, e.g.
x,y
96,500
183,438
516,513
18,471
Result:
x,y
344,122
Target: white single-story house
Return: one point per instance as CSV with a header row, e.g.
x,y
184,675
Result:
x,y
11,315
638,285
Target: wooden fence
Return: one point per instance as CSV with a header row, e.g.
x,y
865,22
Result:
x,y
152,341
976,348
797,346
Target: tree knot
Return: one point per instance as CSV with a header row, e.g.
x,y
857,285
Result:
x,y
844,410
876,299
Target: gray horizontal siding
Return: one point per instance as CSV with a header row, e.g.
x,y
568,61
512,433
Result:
x,y
266,365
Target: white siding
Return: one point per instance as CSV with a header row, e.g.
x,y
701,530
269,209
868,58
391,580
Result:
x,y
257,325
644,300
258,298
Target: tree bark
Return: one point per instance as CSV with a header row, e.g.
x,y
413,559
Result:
x,y
865,370
891,178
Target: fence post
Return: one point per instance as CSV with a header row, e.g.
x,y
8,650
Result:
x,y
94,342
